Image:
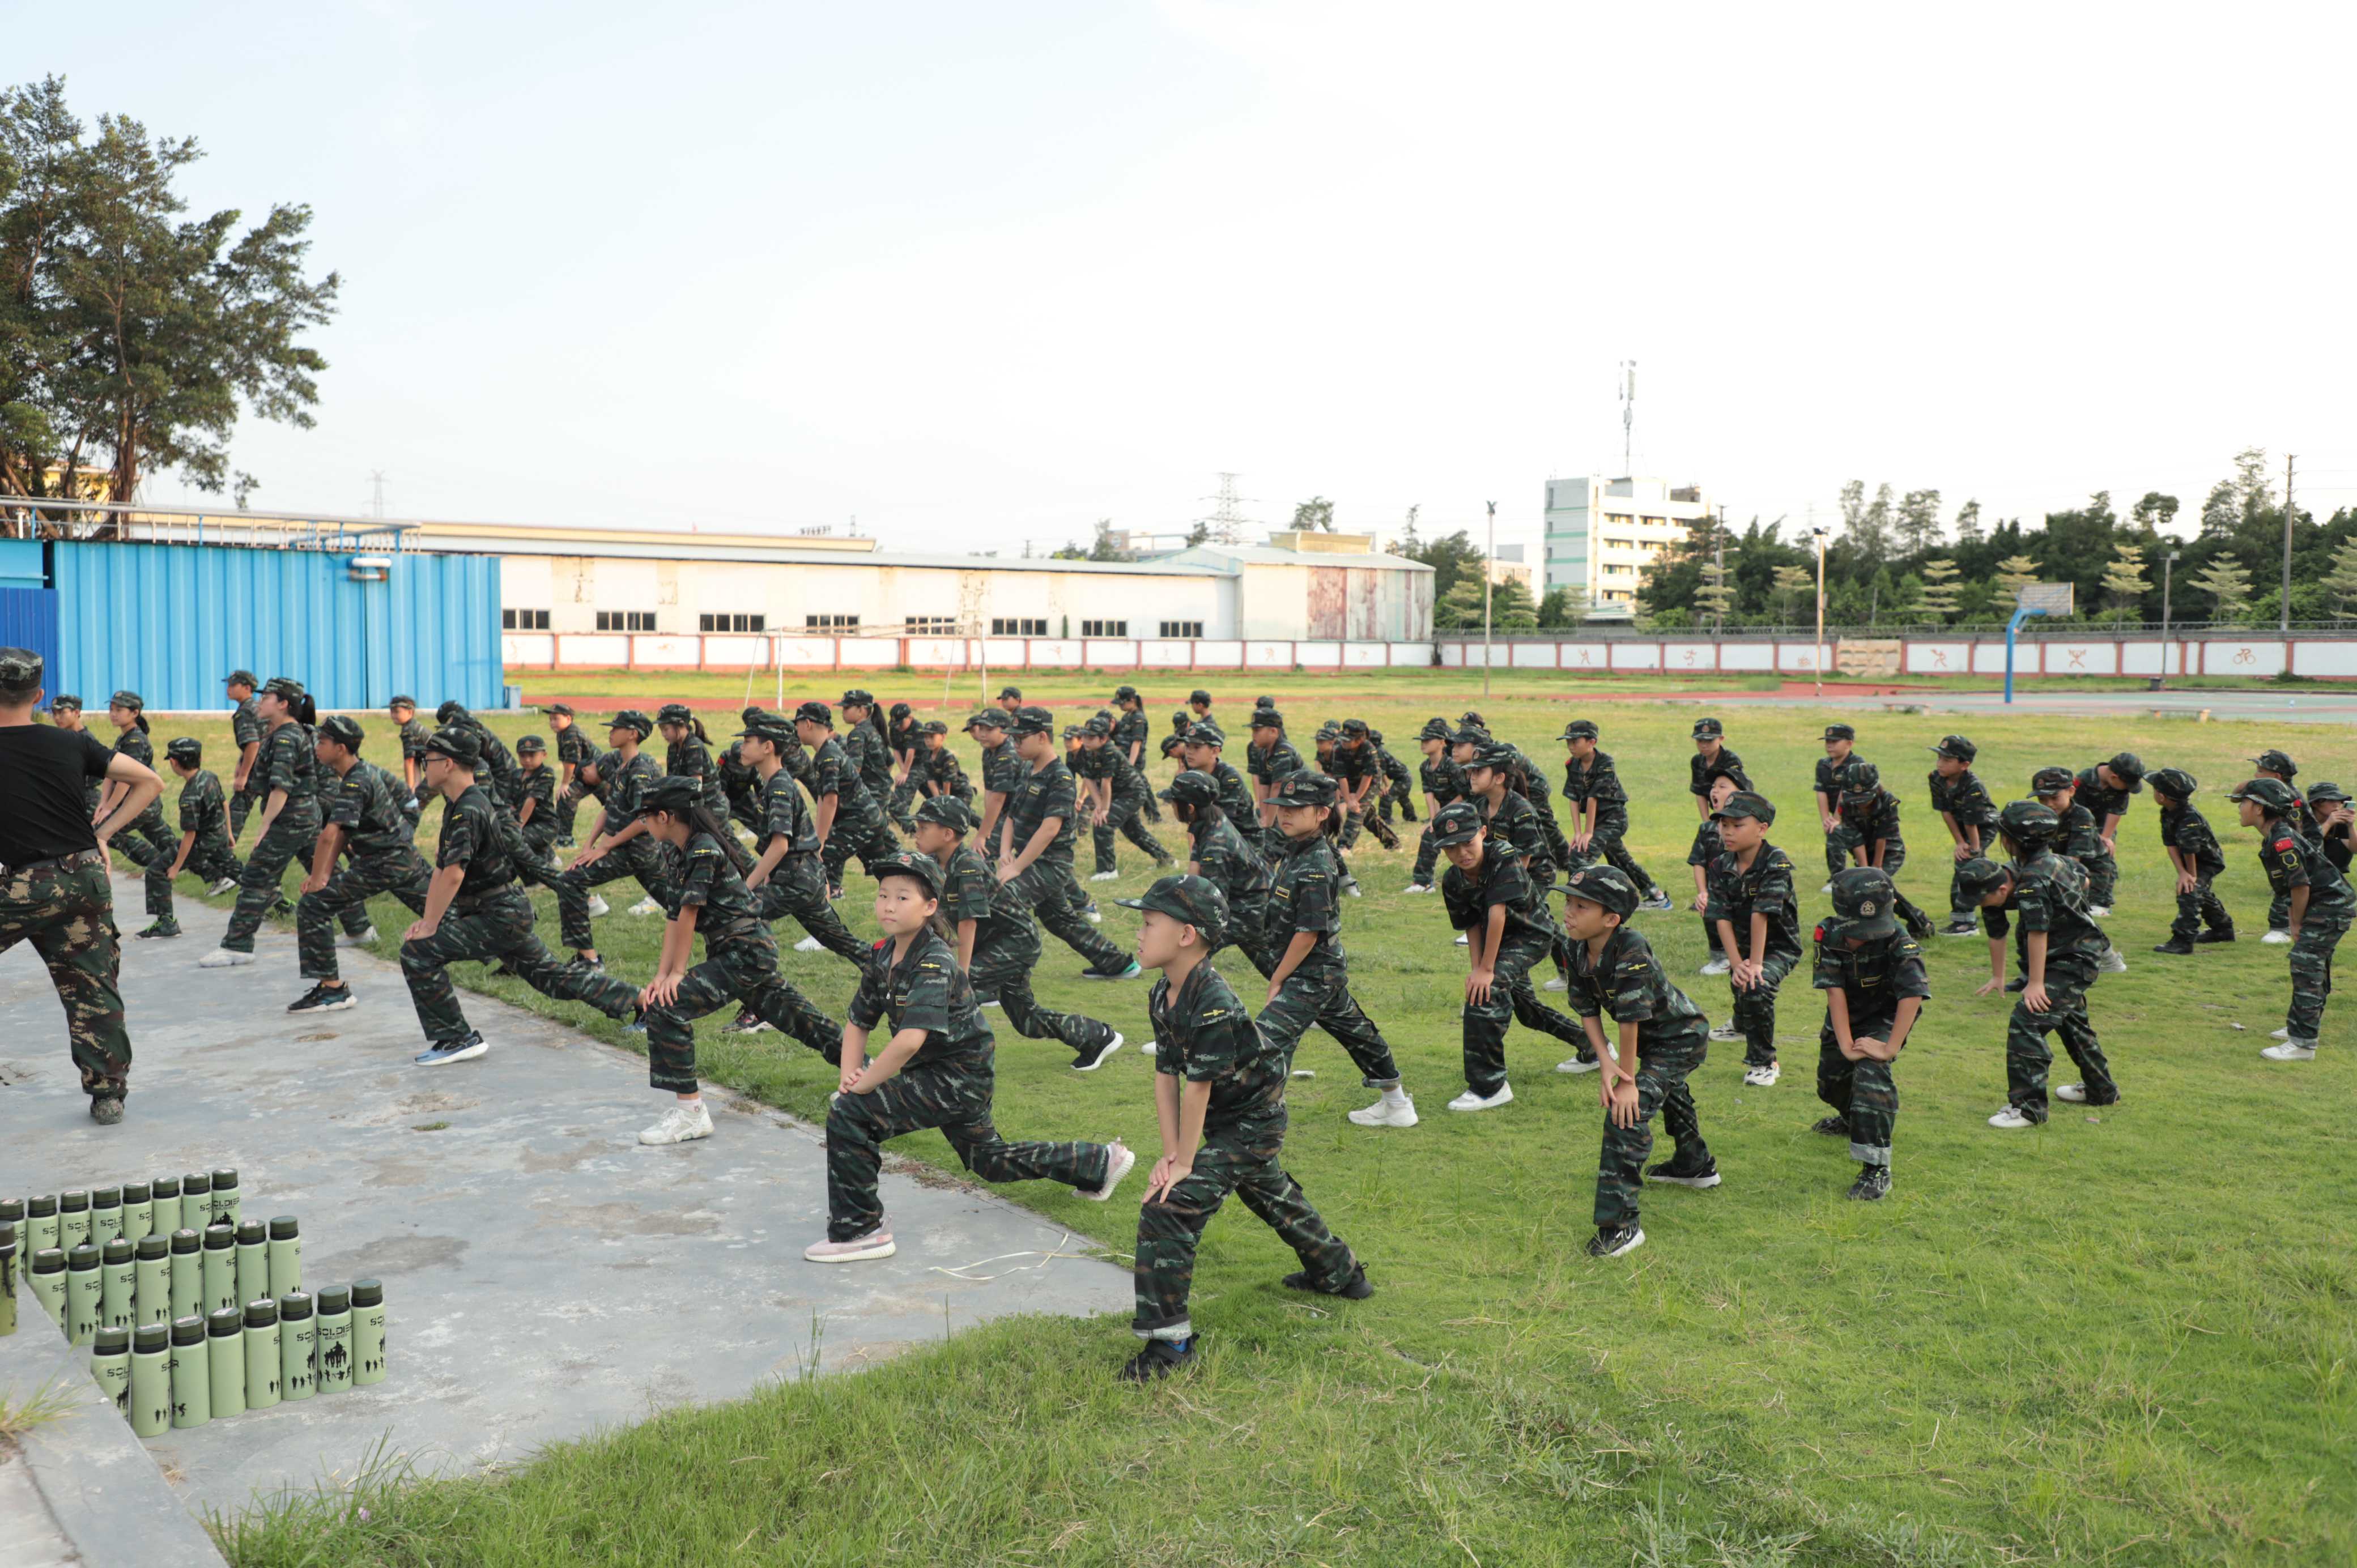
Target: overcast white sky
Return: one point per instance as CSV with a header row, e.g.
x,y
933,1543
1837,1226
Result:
x,y
978,273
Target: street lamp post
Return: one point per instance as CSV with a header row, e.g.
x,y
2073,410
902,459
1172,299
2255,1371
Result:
x,y
2167,561
1487,579
1817,655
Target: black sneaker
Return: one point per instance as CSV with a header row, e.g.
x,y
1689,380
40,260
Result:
x,y
444,1051
745,1023
1158,1360
1676,1173
1831,1126
321,999
1613,1240
1356,1288
1960,928
166,927
1128,971
2215,934
1088,1058
1873,1183
2174,944
1919,925
2018,982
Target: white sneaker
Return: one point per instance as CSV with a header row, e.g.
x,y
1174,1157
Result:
x,y
2010,1117
682,1124
877,1244
222,958
1468,1100
1764,1077
809,944
1096,917
646,906
1414,888
1573,1063
993,1001
2276,938
1147,1047
1119,1157
1384,1112
1461,940
2074,1093
1353,889
597,906
226,884
2291,1051
2111,963
2282,1033
2101,911
1101,1054
1827,888
1557,984
1718,966
1726,1032
345,940
1103,876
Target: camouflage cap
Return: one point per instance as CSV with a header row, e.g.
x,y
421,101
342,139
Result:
x,y
676,793
1865,902
1196,901
1124,693
1473,720
1307,788
2047,781
1014,691
1861,779
1456,823
920,868
1329,732
531,746
1374,734
2029,822
1180,719
1435,729
185,748
1497,758
2274,797
815,713
344,730
1267,718
1469,734
2130,768
989,718
1098,725
1958,746
1203,731
1744,803
947,812
1032,720
130,700
458,745
565,708
1354,728
1200,695
1072,731
286,687
900,710
2322,791
932,726
241,678
1708,729
858,697
674,713
1606,886
2174,782
1976,880
1841,732
1194,787
2276,762
1579,729
774,728
450,712
634,721
63,699
1264,701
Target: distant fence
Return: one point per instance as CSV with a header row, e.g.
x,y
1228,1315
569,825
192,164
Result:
x,y
746,650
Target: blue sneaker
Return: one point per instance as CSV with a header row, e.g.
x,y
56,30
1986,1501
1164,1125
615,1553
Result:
x,y
468,1049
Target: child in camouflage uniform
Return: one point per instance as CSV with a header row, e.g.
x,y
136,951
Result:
x,y
1710,759
1036,836
1663,1040
1872,812
1705,848
574,752
1002,773
614,850
1753,907
366,825
2279,765
2077,838
2194,852
1509,931
1963,804
2319,906
1271,759
1832,770
1442,782
2104,790
146,840
2327,808
537,797
1875,988
1599,810
1397,788
850,819
1219,1098
204,845
413,734
1117,795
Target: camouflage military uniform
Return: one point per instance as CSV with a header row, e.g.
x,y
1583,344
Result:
x,y
1130,736
1871,979
740,964
1528,780
858,826
1302,899
905,748
1399,785
203,812
285,763
1529,937
66,909
1705,848
1003,772
572,747
538,785
1271,765
2293,861
144,838
2050,894
1847,834
946,1084
498,764
1044,886
1736,896
1966,800
491,918
742,783
1203,1035
1355,764
1515,822
245,729
2100,801
1442,782
1006,950
1222,857
1599,781
1236,801
1128,792
1626,982
2302,822
618,786
1875,819
2187,831
689,757
380,858
1703,770
414,737
939,772
797,883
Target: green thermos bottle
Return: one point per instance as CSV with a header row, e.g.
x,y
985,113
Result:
x,y
220,1269
9,1232
48,1276
188,1275
192,1378
225,1197
164,1205
197,1200
253,1261
261,1354
73,1220
151,1379
85,1303
286,1256
152,1296
335,1356
138,1211
225,1360
368,1333
11,1212
105,1215
110,1363
41,1225
299,1344
118,1283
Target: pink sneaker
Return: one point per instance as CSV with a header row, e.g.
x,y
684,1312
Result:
x,y
877,1244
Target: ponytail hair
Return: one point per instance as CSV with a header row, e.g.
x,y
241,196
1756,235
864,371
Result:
x,y
700,820
305,710
696,724
141,720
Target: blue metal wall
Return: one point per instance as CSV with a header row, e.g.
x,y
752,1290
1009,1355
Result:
x,y
28,619
169,620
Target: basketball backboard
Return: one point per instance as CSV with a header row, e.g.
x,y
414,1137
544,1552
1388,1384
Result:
x,y
2046,598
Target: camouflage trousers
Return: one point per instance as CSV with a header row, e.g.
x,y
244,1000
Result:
x,y
1401,792
1242,1160
1558,846
1754,1011
146,842
1862,1092
1662,1072
1049,892
1839,842
740,971
1961,907
2200,906
498,927
798,887
866,837
2311,972
955,1098
1123,819
262,885
1318,993
1911,915
904,796
1608,845
1004,953
2026,1056
634,857
1427,860
401,872
568,810
66,909
1353,822
243,802
1511,996
2103,870
209,860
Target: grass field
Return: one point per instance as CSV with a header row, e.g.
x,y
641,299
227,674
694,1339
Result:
x,y
2125,1337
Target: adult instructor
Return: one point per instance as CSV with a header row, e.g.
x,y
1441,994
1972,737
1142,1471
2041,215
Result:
x,y
54,891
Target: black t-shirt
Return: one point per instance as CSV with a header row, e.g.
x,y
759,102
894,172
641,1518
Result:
x,y
44,810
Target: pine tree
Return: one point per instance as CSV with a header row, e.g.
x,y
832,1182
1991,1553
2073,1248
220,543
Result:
x,y
2228,585
1510,609
1716,598
2124,578
1939,587
2340,582
1461,608
2014,573
1968,523
1792,582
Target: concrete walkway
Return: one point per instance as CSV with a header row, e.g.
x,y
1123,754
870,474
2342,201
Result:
x,y
545,1274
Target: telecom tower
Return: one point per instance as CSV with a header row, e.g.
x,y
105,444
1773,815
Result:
x,y
1226,524
1627,414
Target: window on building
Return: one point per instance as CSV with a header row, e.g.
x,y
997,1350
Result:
x,y
732,622
931,625
1187,628
830,623
626,620
1018,625
523,620
1105,628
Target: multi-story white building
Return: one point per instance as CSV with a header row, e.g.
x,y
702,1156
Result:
x,y
1601,534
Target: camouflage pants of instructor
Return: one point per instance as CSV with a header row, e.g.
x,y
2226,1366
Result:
x,y
747,973
1754,1013
1513,996
1862,1092
1047,890
209,860
66,909
2026,1056
1319,993
1004,953
1662,1072
798,887
633,857
498,927
2195,908
1123,819
1242,1160
292,837
955,1098
145,841
401,872
2311,972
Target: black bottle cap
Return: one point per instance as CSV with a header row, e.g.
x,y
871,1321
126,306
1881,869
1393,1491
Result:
x,y
116,1251
151,1339
43,1206
74,1202
251,1232
134,1192
294,1307
83,1256
187,1240
335,1298
282,1227
165,1187
262,1313
12,1209
226,1323
112,1342
189,1330
224,1180
49,1260
220,1238
152,1246
367,1292
194,1183
7,1235
106,1197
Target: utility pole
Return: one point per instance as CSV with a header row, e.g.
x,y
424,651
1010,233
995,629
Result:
x,y
376,495
1490,554
2167,562
1627,414
2285,606
1817,657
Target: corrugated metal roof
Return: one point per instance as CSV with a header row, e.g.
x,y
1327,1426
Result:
x,y
687,549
